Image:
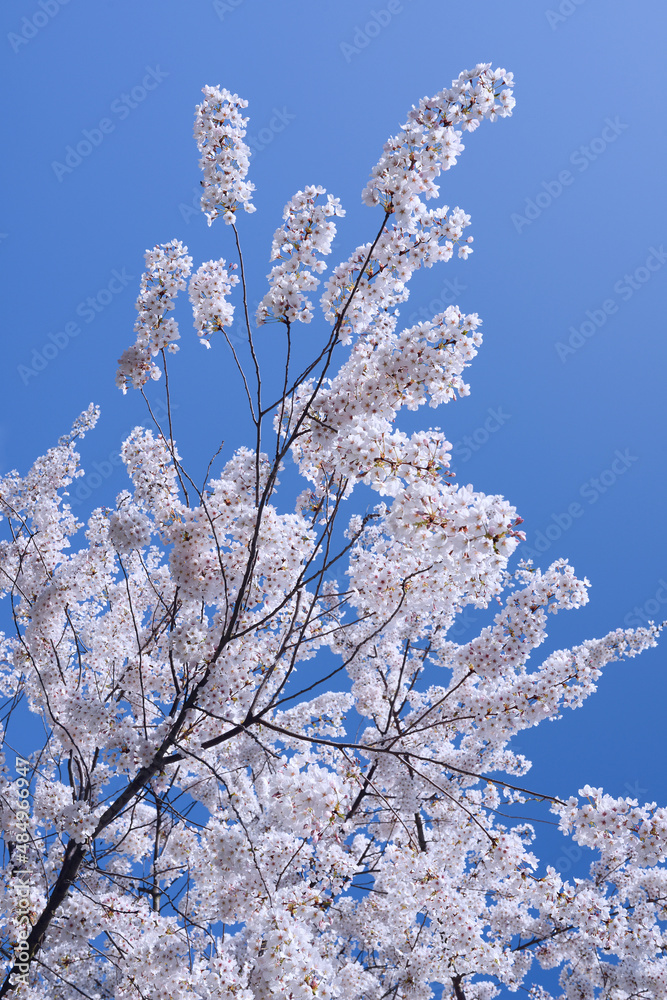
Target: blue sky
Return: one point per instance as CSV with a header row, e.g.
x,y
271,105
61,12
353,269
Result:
x,y
567,413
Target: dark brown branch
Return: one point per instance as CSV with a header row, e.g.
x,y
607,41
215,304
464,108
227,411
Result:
x,y
458,989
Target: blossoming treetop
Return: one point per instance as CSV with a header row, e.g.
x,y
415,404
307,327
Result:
x,y
203,821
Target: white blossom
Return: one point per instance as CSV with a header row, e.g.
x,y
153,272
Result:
x,y
167,268
268,771
209,288
219,132
307,232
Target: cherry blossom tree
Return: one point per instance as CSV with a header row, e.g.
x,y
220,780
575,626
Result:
x,y
267,771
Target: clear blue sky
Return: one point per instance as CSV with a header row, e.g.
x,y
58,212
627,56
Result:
x,y
568,214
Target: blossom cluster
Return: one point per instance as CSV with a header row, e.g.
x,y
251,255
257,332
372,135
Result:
x,y
307,232
349,427
430,142
209,288
167,268
379,275
225,157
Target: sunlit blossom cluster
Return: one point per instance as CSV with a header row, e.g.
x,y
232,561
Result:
x,y
167,268
307,232
379,281
209,288
225,157
430,141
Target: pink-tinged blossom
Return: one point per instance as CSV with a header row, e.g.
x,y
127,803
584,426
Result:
x,y
430,141
219,132
308,232
167,269
209,288
381,279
